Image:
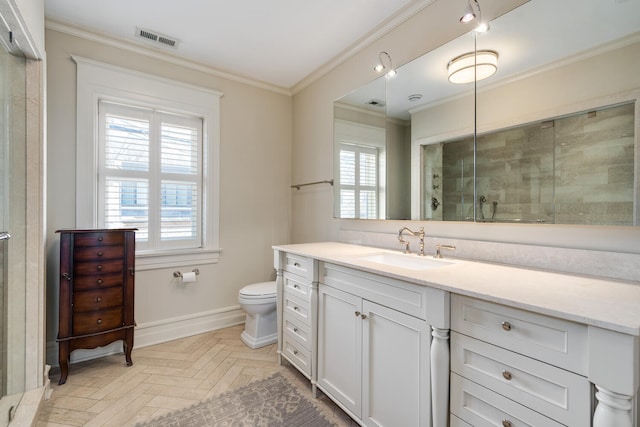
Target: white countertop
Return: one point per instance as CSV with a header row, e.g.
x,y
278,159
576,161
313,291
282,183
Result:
x,y
607,304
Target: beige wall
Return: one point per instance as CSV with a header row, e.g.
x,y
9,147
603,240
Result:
x,y
255,177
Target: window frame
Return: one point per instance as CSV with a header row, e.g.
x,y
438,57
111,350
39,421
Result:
x,y
347,132
97,81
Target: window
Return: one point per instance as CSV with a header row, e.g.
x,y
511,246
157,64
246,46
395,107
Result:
x,y
147,157
358,182
151,175
360,177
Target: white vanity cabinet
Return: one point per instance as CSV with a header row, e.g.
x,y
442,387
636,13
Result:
x,y
513,367
297,302
374,345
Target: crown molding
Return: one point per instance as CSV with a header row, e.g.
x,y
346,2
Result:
x,y
141,49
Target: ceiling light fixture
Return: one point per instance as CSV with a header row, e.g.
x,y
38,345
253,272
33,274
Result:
x,y
380,66
469,67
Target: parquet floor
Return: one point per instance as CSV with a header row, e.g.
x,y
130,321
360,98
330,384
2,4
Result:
x,y
164,378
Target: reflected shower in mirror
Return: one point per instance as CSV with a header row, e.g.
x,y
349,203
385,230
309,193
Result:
x,y
576,169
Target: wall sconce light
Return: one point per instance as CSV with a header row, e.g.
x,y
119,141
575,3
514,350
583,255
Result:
x,y
472,13
380,66
473,66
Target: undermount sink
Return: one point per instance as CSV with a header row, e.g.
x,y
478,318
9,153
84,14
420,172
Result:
x,y
411,262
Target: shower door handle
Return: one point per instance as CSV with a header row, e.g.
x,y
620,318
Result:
x,y
4,235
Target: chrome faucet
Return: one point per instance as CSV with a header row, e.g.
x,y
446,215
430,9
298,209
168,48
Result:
x,y
419,233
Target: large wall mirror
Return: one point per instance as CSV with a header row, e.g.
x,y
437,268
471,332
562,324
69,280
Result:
x,y
551,137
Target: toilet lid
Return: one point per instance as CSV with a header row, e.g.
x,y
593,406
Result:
x,y
258,289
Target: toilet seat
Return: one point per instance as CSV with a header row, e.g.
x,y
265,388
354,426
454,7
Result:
x,y
265,291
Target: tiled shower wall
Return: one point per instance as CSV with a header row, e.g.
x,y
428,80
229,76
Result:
x,y
577,169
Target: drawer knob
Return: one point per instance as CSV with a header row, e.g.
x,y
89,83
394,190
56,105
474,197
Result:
x,y
295,308
295,330
506,326
295,352
99,281
363,316
358,314
99,267
100,238
295,264
98,299
507,375
295,286
99,321
506,423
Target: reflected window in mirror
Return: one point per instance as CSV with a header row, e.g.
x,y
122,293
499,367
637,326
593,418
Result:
x,y
359,180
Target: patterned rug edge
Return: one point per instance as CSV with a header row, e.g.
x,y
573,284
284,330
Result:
x,y
174,418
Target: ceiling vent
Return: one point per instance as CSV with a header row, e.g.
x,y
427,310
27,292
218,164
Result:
x,y
156,38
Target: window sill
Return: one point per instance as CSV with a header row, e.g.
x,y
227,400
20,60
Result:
x,y
158,260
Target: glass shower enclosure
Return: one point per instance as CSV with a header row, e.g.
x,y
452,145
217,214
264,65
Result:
x,y
13,262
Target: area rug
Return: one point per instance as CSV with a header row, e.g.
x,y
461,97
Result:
x,y
272,402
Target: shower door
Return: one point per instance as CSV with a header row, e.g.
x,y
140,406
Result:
x,y
13,262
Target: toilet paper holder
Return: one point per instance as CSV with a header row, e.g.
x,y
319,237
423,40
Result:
x,y
179,274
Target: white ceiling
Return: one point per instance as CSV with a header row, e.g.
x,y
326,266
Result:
x,y
279,42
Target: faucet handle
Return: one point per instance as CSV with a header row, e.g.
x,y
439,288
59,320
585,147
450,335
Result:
x,y
441,246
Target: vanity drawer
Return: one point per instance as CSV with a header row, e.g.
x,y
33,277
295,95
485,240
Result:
x,y
480,407
396,294
297,330
296,309
300,357
295,286
299,266
552,340
555,392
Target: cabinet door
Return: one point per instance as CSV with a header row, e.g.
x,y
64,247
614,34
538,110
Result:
x,y
395,368
340,347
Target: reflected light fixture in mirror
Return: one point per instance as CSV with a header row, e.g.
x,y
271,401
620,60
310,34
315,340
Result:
x,y
380,66
469,66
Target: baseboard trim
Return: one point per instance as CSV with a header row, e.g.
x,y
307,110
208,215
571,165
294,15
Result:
x,y
160,331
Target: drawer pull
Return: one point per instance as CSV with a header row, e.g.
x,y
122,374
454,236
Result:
x,y
99,281
506,326
98,299
99,321
295,352
363,316
99,267
99,253
100,239
358,314
296,287
295,308
297,265
507,375
506,423
295,330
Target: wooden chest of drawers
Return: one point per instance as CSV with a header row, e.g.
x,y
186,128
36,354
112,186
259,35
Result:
x,y
97,270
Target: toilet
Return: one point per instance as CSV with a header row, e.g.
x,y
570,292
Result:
x,y
258,300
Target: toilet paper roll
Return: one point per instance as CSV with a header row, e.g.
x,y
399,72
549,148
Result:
x,y
189,277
